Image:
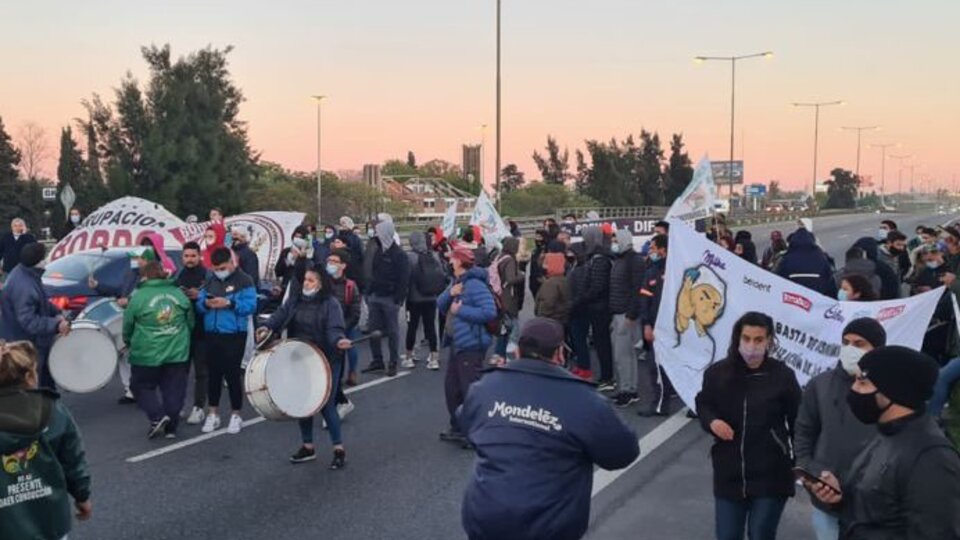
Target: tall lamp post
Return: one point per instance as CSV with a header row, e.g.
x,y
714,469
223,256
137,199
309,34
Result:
x,y
816,136
900,171
883,166
733,97
497,170
319,100
859,130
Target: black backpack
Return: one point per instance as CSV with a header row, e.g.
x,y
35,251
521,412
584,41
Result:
x,y
430,279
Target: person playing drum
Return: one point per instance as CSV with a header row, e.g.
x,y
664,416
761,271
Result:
x,y
313,314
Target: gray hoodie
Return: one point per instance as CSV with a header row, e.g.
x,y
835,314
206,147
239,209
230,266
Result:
x,y
385,232
418,246
592,240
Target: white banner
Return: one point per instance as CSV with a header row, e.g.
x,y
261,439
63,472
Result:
x,y
124,222
707,288
698,200
449,225
485,216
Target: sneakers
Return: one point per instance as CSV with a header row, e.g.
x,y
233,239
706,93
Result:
x,y
170,435
126,398
339,459
211,424
352,378
373,367
391,370
236,424
605,386
408,361
158,427
453,436
196,416
433,362
343,409
304,455
625,399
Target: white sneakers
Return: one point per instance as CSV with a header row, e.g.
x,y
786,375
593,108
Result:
x,y
344,409
407,362
196,416
236,424
212,424
433,363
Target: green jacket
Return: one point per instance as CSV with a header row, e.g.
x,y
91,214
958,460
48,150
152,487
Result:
x,y
157,324
43,462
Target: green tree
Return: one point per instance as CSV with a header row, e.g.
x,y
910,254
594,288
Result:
x,y
555,167
511,178
679,171
842,189
397,167
9,157
540,198
18,198
649,172
773,190
71,170
411,159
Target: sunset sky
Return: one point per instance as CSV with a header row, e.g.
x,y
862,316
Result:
x,y
419,75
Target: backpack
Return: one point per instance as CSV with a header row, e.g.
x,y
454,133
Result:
x,y
349,293
493,277
494,326
430,279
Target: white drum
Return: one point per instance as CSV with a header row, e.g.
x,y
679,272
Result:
x,y
288,381
108,313
84,360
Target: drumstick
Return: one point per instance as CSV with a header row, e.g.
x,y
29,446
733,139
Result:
x,y
376,334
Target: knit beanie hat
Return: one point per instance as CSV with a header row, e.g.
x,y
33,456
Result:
x,y
869,329
904,375
32,253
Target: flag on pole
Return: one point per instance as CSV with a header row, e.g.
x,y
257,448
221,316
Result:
x,y
486,217
698,200
449,225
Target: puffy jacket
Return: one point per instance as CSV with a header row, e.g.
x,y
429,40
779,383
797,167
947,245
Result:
x,y
805,264
469,332
596,295
538,432
553,300
43,463
651,291
238,289
537,274
318,320
905,485
418,247
828,436
248,262
10,249
25,311
510,276
391,272
761,406
158,323
626,279
889,282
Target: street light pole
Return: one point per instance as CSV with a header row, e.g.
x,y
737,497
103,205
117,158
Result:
x,y
319,100
859,130
816,136
483,154
883,166
497,170
900,172
733,99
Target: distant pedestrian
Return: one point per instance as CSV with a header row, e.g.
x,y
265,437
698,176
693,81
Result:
x,y
805,264
626,280
553,297
427,280
12,243
387,282
247,260
653,383
509,275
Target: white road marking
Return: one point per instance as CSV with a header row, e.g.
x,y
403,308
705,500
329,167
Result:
x,y
648,443
246,423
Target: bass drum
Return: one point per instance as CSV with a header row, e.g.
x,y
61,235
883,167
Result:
x,y
288,381
108,313
84,360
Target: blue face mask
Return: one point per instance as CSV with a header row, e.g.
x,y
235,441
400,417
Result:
x,y
842,295
882,234
654,256
222,274
614,248
332,269
300,243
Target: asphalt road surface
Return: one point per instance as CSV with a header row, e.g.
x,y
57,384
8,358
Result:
x,y
401,482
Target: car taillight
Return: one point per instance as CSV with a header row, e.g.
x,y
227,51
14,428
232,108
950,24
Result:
x,y
60,302
68,303
77,303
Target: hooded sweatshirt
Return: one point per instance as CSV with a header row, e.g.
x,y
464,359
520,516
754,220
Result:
x,y
510,276
388,265
805,264
596,293
420,271
157,241
889,283
43,462
626,278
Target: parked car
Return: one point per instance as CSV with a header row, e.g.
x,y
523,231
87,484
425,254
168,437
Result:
x,y
774,208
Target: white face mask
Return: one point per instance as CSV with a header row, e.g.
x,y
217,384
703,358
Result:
x,y
310,293
849,359
75,219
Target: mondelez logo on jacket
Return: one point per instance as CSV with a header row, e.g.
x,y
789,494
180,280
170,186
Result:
x,y
539,418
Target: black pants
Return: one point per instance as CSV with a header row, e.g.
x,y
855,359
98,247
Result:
x,y
198,358
426,312
171,380
462,371
600,329
224,355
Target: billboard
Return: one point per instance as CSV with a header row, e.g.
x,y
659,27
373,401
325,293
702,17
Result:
x,y
722,172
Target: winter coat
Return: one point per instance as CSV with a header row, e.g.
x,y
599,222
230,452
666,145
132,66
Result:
x,y
351,305
193,278
10,249
510,276
25,311
418,250
805,264
318,320
651,291
761,406
238,289
538,432
889,282
596,293
553,300
469,332
905,485
157,324
390,268
43,465
537,272
626,279
248,262
828,435
287,272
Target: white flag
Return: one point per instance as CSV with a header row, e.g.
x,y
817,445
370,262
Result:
x,y
449,225
485,216
697,201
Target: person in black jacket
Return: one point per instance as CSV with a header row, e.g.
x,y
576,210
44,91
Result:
x,y
386,292
805,264
653,382
536,261
293,260
12,242
596,301
889,282
626,277
247,259
749,402
190,279
905,485
579,322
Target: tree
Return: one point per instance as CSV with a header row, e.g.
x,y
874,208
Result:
x,y
624,173
649,173
397,167
540,198
9,158
23,199
679,171
511,178
842,189
411,159
34,149
773,190
554,168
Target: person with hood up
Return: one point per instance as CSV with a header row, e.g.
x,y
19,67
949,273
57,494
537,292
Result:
x,y
577,278
387,285
26,312
889,282
595,299
214,237
44,464
744,247
626,280
857,263
247,260
427,280
508,270
468,305
828,435
553,297
536,261
805,264
354,245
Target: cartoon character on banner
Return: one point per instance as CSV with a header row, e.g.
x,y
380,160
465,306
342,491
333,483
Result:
x,y
700,304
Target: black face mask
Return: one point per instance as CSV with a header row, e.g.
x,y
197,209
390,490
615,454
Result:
x,y
864,406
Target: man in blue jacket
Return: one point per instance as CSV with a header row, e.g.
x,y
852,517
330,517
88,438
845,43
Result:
x,y
26,312
538,431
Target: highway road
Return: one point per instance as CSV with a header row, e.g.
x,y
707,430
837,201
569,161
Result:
x,y
401,482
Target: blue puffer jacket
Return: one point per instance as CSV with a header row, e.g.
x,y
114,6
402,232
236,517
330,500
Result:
x,y
238,289
538,432
469,331
25,311
805,264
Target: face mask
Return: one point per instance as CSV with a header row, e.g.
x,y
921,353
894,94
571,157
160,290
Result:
x,y
864,407
134,264
371,233
752,353
932,265
222,274
332,270
328,235
74,219
300,243
654,256
310,293
842,295
882,234
615,248
849,358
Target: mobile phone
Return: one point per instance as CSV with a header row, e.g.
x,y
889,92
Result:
x,y
803,474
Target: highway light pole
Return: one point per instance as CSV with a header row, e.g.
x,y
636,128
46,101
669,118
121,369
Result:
x,y
496,171
859,130
319,100
900,172
816,135
883,166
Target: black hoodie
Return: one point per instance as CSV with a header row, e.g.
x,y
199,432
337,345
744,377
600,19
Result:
x,y
889,284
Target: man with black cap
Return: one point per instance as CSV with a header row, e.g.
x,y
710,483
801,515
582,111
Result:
x,y
26,312
905,484
538,431
827,435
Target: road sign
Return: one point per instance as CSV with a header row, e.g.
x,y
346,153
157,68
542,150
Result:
x,y
722,172
67,198
756,190
49,194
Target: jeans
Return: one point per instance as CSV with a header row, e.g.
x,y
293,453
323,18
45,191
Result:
x,y
508,341
384,316
949,374
463,369
759,515
329,410
426,312
651,385
625,334
198,357
46,380
579,330
353,357
224,354
600,329
825,526
171,380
